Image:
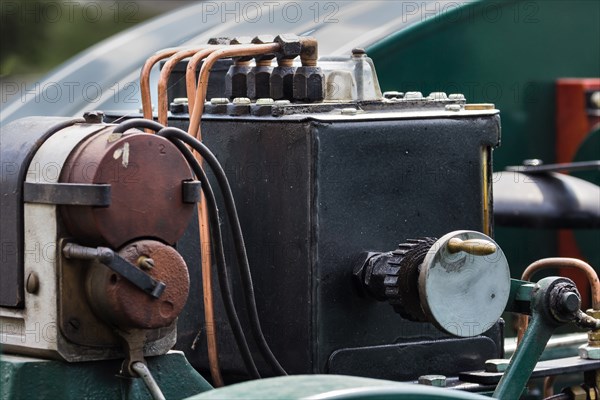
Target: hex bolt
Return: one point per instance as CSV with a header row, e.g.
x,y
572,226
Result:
x,y
433,380
453,107
413,96
392,94
496,365
33,283
457,96
309,84
570,302
438,96
145,263
93,117
219,100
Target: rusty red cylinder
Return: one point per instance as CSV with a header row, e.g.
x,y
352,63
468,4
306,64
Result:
x,y
146,173
124,305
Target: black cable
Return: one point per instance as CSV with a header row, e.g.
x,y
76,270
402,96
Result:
x,y
211,203
238,241
138,123
224,284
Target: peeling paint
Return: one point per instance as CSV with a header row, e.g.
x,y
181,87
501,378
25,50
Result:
x,y
124,152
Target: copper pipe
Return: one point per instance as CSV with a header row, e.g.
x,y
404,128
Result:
x,y
163,82
209,319
231,51
190,74
549,385
207,290
559,262
145,79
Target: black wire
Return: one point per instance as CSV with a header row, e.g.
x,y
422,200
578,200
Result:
x,y
138,123
211,204
238,241
224,284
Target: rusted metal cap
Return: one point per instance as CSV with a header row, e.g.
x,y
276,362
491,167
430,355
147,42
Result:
x,y
146,174
119,302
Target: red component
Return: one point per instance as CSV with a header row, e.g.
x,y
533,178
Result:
x,y
573,124
119,302
146,174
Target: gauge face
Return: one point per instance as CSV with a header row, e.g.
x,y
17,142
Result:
x,y
463,293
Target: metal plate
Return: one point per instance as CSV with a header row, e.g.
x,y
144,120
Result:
x,y
463,293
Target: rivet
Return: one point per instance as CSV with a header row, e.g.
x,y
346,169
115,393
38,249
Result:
x,y
33,283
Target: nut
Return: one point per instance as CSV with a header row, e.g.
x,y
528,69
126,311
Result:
x,y
259,81
282,83
236,84
438,96
225,41
290,45
589,353
413,96
432,380
93,117
393,95
496,365
309,84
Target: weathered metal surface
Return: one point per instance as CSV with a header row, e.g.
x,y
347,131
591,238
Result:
x,y
302,182
67,194
121,303
133,274
558,366
20,140
464,293
24,377
403,362
145,173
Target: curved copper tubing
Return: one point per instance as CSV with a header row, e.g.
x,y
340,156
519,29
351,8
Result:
x,y
559,262
163,81
231,51
190,73
145,79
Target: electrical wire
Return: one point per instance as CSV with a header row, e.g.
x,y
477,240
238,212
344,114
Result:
x,y
247,285
224,284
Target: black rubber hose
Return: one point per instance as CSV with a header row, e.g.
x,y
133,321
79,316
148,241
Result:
x,y
240,247
138,123
224,282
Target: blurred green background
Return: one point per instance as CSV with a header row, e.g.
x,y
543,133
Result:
x,y
38,35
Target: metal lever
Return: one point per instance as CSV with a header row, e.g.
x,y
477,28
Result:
x,y
476,247
113,261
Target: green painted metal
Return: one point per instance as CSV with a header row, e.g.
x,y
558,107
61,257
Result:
x,y
331,387
532,346
24,377
519,296
505,52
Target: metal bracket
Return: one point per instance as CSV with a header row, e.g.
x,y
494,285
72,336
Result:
x,y
74,194
113,261
192,191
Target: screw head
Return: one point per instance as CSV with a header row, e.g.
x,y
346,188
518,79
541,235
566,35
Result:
x,y
433,380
